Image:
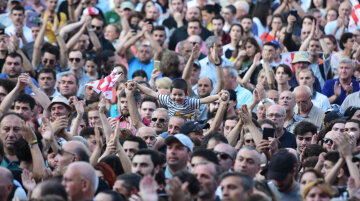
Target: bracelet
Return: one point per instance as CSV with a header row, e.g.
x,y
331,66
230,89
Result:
x,y
34,142
218,64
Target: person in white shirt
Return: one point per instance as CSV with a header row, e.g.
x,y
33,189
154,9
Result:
x,y
18,28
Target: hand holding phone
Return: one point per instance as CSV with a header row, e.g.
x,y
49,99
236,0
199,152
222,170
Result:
x,y
268,132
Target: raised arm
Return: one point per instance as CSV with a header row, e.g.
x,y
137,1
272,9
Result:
x,y
39,41
189,67
306,42
79,107
249,124
93,37
345,149
146,90
251,70
154,44
234,134
209,99
104,121
133,110
71,10
9,99
95,155
64,32
73,40
224,100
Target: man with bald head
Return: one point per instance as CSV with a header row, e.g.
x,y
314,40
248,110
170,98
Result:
x,y
148,134
80,181
6,183
277,113
305,108
248,161
226,155
205,87
287,100
70,152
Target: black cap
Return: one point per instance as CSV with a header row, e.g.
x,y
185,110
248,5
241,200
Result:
x,y
191,126
281,164
350,111
330,116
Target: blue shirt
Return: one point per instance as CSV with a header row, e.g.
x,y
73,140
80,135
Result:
x,y
209,70
27,89
82,81
328,89
288,140
243,96
135,64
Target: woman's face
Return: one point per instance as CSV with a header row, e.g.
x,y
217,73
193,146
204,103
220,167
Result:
x,y
307,22
276,24
148,5
135,20
330,44
90,66
331,16
250,49
280,35
316,194
235,33
318,3
306,179
110,33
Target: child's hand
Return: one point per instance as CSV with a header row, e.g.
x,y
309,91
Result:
x,y
131,85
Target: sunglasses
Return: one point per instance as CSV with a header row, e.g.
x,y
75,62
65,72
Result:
x,y
249,141
50,61
95,27
160,120
223,155
149,137
327,140
62,152
76,59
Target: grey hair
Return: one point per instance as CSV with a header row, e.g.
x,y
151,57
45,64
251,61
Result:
x,y
217,169
243,4
308,90
346,61
231,70
161,110
247,182
86,170
258,155
210,42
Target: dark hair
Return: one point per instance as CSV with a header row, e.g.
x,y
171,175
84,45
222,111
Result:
x,y
237,25
218,17
270,44
14,55
286,69
354,121
107,171
142,12
267,121
277,16
195,20
313,150
18,7
7,84
312,170
170,65
47,70
333,9
142,143
232,94
137,95
25,98
115,196
11,113
47,47
304,127
247,40
213,135
87,131
125,71
52,187
179,84
140,73
261,11
231,8
247,182
209,8
22,150
149,99
158,28
134,14
155,158
131,180
312,18
115,164
81,154
344,38
312,5
100,18
2,152
106,54
247,16
207,154
333,157
83,54
184,176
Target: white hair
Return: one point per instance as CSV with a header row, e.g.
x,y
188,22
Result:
x,y
243,4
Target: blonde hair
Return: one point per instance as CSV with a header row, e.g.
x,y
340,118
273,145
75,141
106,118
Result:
x,y
320,183
164,82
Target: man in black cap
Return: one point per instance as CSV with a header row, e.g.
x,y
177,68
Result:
x,y
194,129
281,172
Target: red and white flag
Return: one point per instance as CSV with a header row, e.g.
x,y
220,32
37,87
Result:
x,y
287,58
106,84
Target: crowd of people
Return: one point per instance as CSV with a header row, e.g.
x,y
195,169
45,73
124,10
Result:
x,y
233,100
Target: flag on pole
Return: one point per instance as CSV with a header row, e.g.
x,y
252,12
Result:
x,y
106,84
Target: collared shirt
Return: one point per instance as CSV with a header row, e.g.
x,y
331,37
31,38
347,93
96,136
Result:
x,y
315,115
293,83
243,96
328,89
27,89
293,122
288,140
11,165
10,30
82,81
209,70
351,100
321,101
168,174
317,72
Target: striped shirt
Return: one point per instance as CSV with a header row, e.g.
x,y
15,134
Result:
x,y
186,109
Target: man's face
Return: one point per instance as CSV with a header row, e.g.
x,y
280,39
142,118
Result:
x,y
306,78
159,121
83,42
247,162
67,86
130,148
186,51
13,66
224,156
97,26
94,118
64,158
75,60
345,71
153,13
229,79
218,47
174,126
327,167
124,108
159,36
314,47
51,4
177,154
3,93
344,10
204,87
303,102
192,13
247,25
145,54
58,109
10,131
276,115
302,141
232,190
228,16
285,185
268,50
305,32
4,41
109,65
300,66
142,165
339,127
194,28
72,183
352,127
46,81
213,107
177,6
24,110
49,60
149,136
195,74
17,17
147,108
206,176
90,94
217,25
229,125
120,188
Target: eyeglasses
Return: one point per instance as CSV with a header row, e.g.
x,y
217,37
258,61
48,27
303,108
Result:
x,y
149,137
96,27
223,155
75,59
62,152
271,115
249,141
50,61
160,120
327,140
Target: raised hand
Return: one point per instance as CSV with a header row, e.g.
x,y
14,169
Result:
x,y
79,105
349,89
98,139
28,180
195,52
102,104
27,133
337,89
214,54
47,130
224,96
178,191
244,115
59,123
148,187
25,78
256,60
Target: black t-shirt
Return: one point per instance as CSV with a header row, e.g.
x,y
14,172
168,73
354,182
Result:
x,y
2,61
